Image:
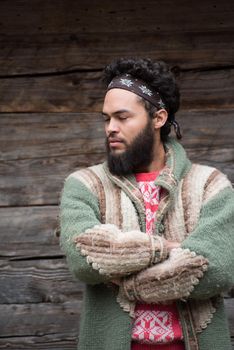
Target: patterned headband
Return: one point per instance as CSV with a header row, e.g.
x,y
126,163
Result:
x,y
137,86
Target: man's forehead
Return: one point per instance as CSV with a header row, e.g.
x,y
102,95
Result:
x,y
120,93
119,99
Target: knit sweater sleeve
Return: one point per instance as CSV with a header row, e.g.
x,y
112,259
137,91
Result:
x,y
213,238
78,212
98,252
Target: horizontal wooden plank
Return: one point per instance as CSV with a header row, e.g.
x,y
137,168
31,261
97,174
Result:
x,y
211,89
48,342
211,129
63,93
46,135
67,134
21,16
29,232
37,281
51,53
39,319
39,181
84,92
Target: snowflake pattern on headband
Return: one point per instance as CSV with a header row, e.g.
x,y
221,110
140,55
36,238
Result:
x,y
126,82
161,104
145,90
138,87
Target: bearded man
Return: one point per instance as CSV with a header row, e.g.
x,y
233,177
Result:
x,y
149,233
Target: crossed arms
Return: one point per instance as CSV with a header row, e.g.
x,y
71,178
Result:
x,y
150,270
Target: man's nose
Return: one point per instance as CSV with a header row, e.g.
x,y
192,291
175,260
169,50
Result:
x,y
112,126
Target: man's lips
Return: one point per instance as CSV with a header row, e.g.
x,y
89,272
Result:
x,y
114,142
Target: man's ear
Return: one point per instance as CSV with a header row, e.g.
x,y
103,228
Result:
x,y
160,118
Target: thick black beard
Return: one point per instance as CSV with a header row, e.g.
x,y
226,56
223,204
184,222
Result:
x,y
138,154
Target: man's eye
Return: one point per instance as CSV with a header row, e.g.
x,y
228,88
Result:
x,y
105,118
123,117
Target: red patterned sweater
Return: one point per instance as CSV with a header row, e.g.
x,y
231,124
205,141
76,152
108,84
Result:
x,y
156,327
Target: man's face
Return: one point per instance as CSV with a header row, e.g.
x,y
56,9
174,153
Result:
x,y
129,132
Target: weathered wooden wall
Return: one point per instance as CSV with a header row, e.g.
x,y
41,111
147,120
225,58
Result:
x,y
51,57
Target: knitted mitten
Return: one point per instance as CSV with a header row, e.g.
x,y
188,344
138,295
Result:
x,y
169,280
116,253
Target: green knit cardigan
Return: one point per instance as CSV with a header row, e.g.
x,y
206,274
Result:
x,y
104,325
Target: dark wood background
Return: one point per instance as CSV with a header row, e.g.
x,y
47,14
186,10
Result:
x,y
51,57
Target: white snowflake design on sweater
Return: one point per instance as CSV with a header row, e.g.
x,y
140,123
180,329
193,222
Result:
x,y
151,198
153,327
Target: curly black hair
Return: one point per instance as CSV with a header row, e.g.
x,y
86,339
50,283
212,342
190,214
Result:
x,y
159,77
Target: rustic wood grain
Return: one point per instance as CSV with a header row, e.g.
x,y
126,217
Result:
x,y
39,319
77,92
61,341
210,89
39,181
66,134
84,92
50,134
29,232
24,16
37,281
45,53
